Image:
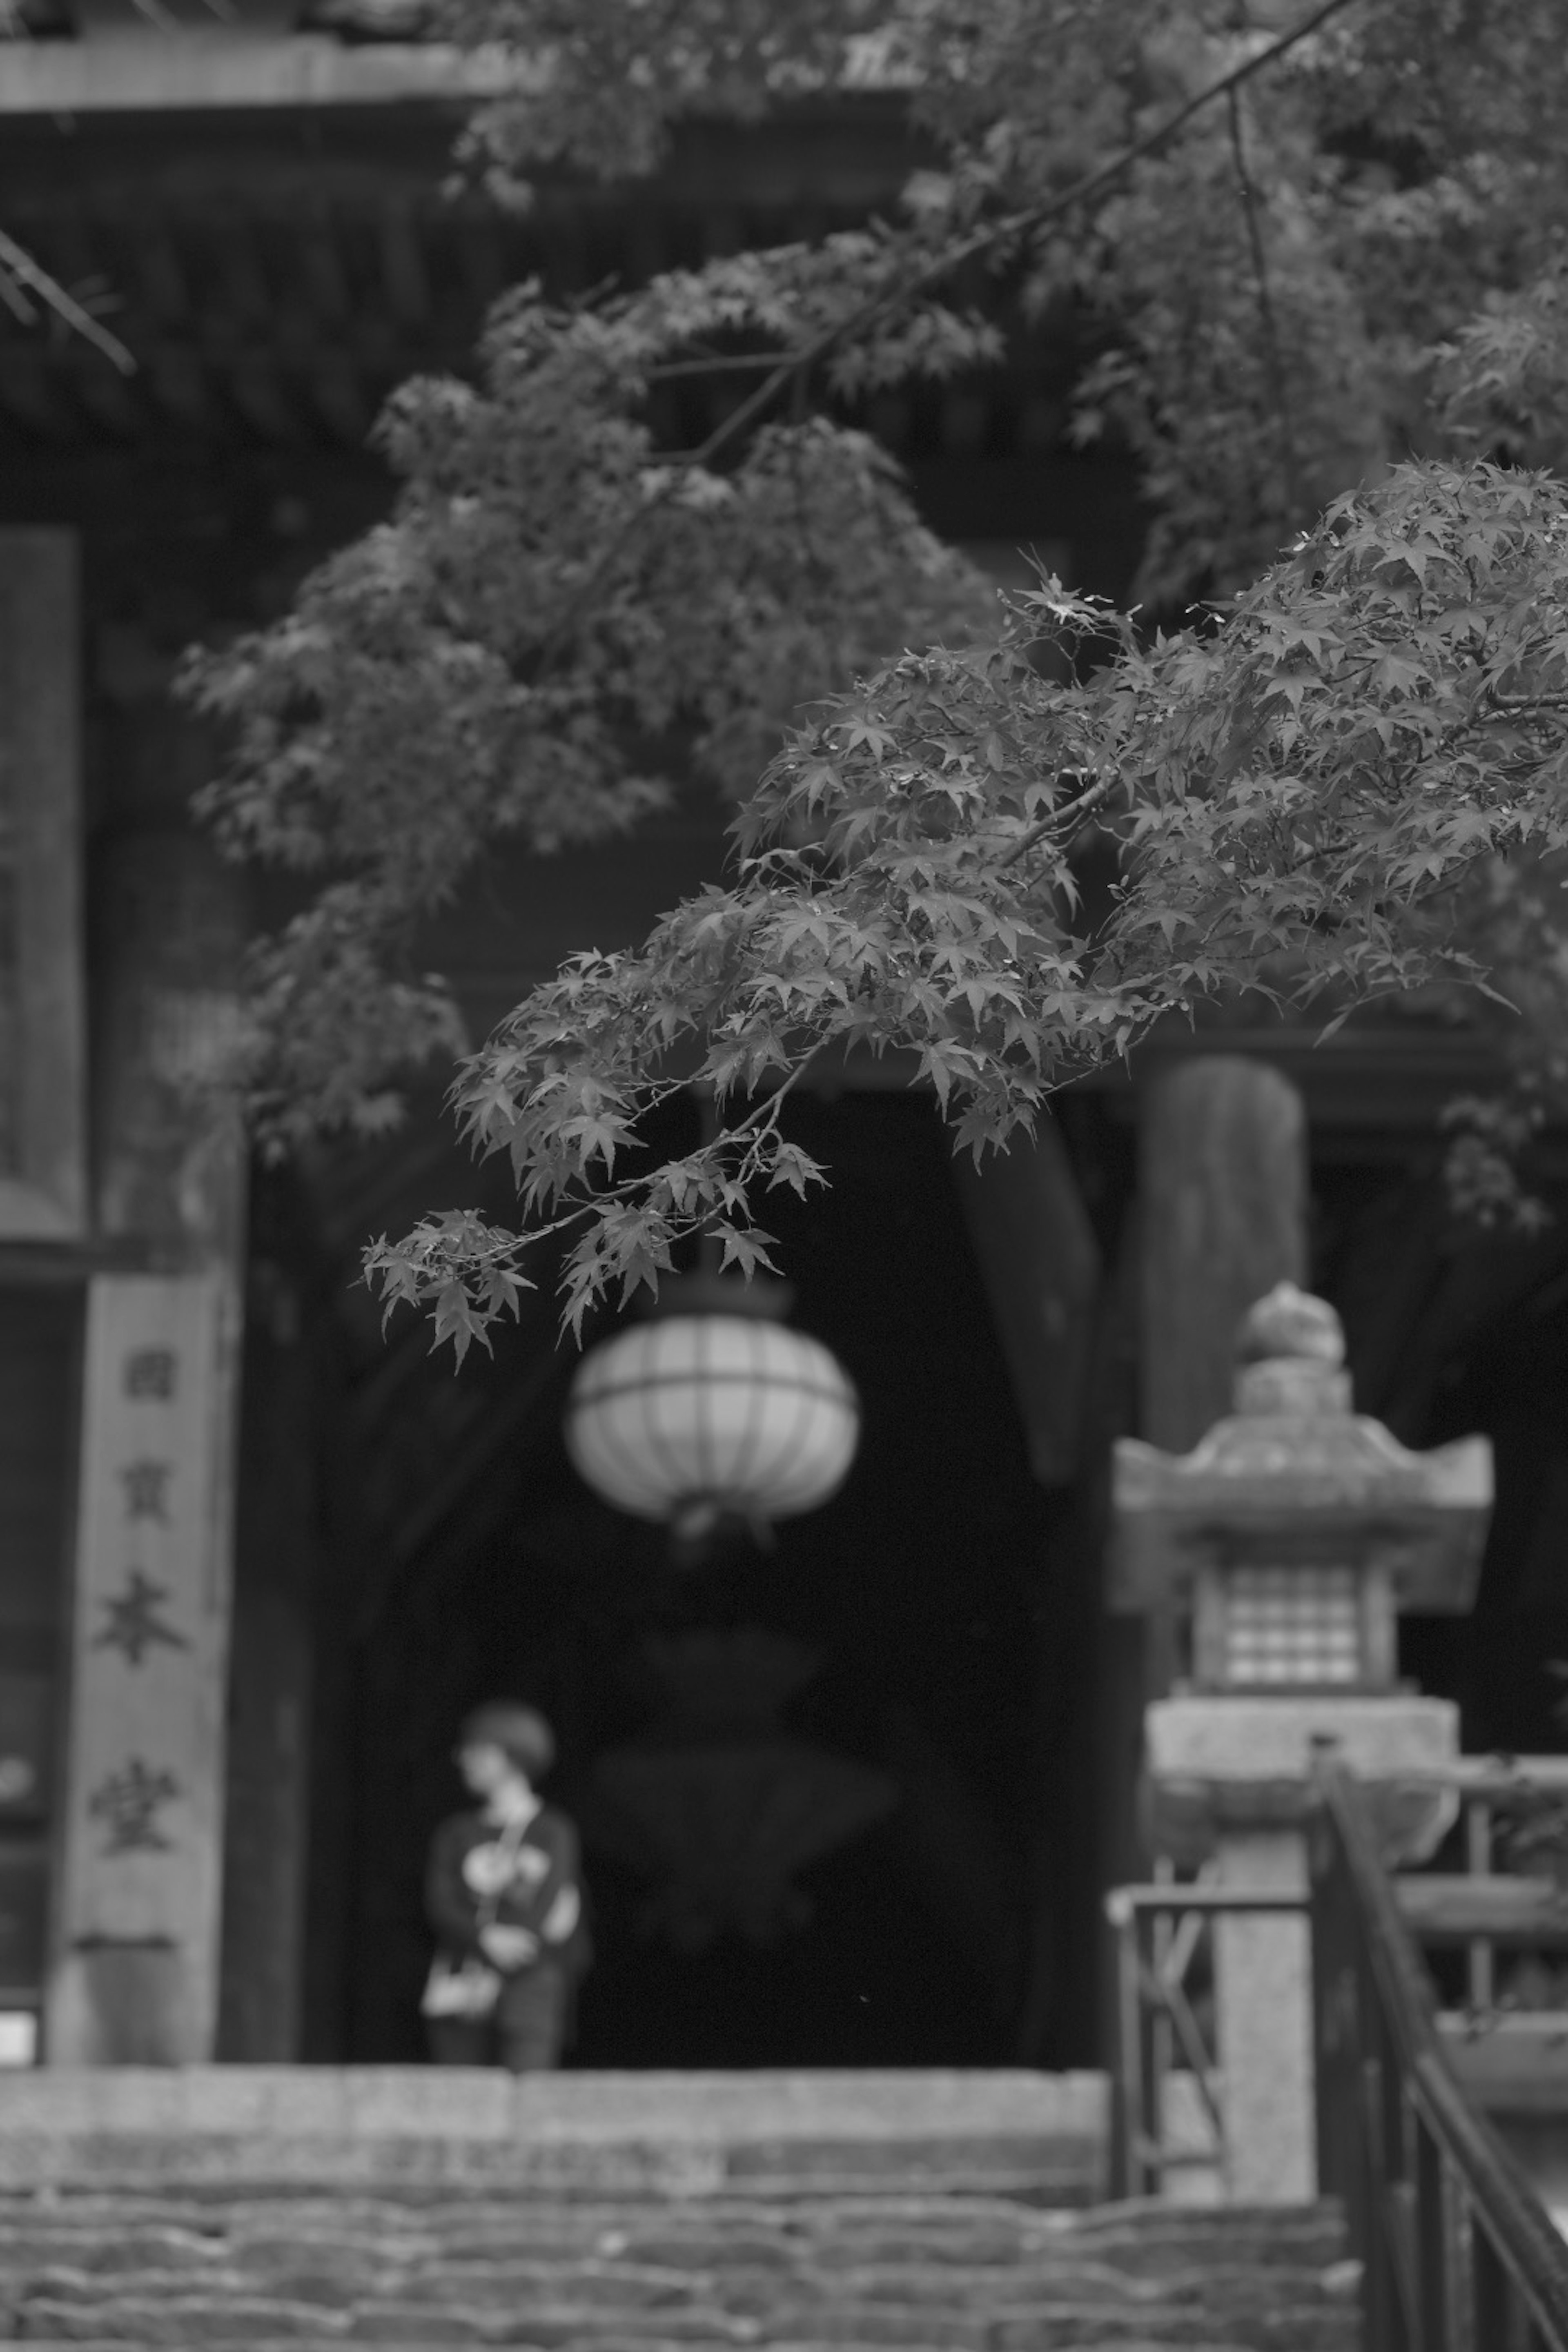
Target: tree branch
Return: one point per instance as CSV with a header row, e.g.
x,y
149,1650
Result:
x,y
1070,818
731,364
1273,351
1030,218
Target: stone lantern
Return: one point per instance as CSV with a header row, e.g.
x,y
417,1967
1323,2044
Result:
x,y
1285,1546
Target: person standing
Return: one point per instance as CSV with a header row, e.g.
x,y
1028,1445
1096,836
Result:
x,y
503,1892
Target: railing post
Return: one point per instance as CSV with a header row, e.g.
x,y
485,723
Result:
x,y
1127,2114
1336,2032
1434,2284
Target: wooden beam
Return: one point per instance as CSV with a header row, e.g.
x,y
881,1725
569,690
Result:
x,y
1454,1908
136,69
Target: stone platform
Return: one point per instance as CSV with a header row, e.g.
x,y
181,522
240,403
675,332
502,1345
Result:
x,y
1005,2133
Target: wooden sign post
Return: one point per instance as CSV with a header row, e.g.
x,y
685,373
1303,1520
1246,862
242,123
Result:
x,y
135,1974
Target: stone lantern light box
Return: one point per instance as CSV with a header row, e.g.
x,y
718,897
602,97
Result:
x,y
1292,1537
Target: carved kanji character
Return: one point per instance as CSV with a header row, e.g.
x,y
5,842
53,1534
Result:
x,y
128,1803
134,1623
152,1373
146,1485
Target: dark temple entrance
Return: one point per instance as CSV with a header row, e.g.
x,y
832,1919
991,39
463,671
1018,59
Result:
x,y
834,1794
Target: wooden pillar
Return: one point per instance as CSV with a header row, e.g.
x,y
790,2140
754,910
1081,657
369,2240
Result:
x,y
135,1970
43,1025
1223,1188
1039,1260
278,1565
43,1215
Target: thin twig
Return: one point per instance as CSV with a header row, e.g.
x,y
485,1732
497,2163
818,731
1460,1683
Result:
x,y
729,363
1273,351
1030,218
1070,818
1516,703
20,265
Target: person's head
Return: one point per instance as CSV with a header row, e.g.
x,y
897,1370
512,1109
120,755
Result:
x,y
502,1743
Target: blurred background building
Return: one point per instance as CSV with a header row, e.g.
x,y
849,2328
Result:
x,y
849,1800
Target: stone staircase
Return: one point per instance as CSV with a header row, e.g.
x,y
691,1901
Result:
x,y
792,2211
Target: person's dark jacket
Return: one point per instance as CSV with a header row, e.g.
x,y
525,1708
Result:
x,y
547,1866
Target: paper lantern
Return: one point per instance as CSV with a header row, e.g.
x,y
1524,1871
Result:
x,y
696,1417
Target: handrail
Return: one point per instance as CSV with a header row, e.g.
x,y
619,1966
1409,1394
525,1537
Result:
x,y
1155,2021
1458,2253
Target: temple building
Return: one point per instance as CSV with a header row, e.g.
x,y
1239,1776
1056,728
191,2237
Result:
x,y
848,1801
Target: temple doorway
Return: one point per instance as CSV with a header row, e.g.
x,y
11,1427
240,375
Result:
x,y
836,1794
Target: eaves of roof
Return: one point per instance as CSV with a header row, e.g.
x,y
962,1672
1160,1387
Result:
x,y
100,60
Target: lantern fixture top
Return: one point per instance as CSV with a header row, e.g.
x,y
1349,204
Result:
x,y
1295,1473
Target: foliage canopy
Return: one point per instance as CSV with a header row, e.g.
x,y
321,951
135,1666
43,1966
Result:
x,y
1321,252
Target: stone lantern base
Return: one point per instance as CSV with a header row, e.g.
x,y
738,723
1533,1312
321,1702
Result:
x,y
1227,1779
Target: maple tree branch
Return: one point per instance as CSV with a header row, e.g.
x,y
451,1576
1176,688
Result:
x,y
729,364
1519,702
1267,319
1070,817
1017,224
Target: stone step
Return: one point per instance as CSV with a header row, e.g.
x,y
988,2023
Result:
x,y
666,2239
337,2276
1039,2139
233,2309
1043,2327
250,2326
330,2211
272,2209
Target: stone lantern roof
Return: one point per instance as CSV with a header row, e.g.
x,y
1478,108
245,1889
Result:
x,y
1296,1471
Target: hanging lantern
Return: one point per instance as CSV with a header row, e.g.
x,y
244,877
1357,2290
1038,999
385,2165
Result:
x,y
712,1410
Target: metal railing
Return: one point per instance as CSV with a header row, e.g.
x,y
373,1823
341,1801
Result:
x,y
1168,2100
1457,2253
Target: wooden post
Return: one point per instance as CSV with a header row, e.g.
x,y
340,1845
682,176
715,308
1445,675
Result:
x,y
135,1968
1040,1263
277,1569
1223,1188
136,1975
1222,1217
43,1201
